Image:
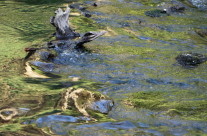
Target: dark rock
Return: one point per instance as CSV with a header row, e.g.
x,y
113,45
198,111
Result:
x,y
176,9
86,14
190,60
172,7
95,4
156,13
76,6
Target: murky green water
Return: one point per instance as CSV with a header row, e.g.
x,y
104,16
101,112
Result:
x,y
134,61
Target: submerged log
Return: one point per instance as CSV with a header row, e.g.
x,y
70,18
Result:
x,y
61,22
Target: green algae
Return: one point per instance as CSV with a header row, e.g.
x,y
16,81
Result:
x,y
116,49
10,127
22,33
83,24
163,34
20,30
191,107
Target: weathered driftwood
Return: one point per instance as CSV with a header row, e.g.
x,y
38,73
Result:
x,y
60,21
64,36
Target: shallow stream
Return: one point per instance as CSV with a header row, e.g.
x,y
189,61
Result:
x,y
136,55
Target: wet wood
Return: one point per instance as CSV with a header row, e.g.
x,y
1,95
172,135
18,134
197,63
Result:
x,y
61,22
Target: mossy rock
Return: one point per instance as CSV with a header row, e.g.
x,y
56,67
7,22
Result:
x,y
82,99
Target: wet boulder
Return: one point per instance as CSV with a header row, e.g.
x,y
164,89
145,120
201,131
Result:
x,y
166,9
190,60
83,100
172,7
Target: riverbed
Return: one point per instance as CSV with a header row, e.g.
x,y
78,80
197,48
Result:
x,y
136,55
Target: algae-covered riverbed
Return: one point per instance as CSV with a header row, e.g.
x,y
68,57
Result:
x,y
133,63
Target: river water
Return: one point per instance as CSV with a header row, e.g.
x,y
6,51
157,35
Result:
x,y
137,54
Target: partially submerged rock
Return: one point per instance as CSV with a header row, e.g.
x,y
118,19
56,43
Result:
x,y
172,7
190,60
156,13
166,9
83,99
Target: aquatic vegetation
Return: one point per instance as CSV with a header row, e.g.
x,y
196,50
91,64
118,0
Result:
x,y
171,103
136,58
83,24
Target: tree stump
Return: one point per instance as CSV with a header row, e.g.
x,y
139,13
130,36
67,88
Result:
x,y
61,22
